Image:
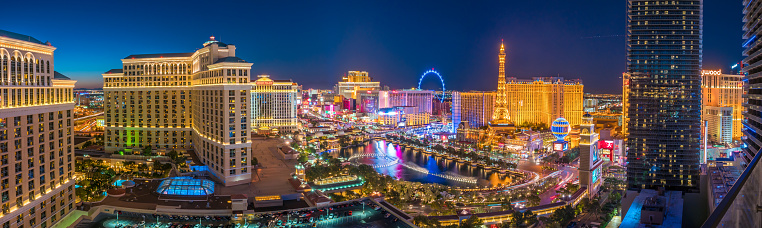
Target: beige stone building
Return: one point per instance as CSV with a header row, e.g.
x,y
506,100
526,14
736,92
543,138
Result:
x,y
543,99
36,138
195,101
274,104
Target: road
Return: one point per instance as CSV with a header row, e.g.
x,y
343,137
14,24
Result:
x,y
568,174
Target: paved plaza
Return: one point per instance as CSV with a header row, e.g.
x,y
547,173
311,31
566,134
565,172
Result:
x,y
271,178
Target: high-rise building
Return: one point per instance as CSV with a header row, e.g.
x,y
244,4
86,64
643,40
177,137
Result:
x,y
544,99
420,100
737,205
626,102
197,101
455,110
36,134
722,105
417,98
273,104
355,82
719,123
442,103
477,108
664,59
501,115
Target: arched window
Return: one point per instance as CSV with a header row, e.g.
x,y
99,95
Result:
x,y
48,66
3,69
13,70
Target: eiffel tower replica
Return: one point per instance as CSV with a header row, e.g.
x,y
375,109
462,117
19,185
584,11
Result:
x,y
501,120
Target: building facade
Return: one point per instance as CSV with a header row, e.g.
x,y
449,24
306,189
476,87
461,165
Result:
x,y
36,138
477,108
196,101
590,162
353,83
274,104
722,93
401,116
417,98
664,110
543,99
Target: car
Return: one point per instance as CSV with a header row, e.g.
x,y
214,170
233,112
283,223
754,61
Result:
x,y
572,225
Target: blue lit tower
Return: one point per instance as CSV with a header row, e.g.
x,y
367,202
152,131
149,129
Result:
x,y
664,110
589,162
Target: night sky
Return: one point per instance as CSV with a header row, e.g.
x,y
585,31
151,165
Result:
x,y
316,42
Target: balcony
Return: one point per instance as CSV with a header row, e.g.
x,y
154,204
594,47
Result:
x,y
740,207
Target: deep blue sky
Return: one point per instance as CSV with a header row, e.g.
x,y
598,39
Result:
x,y
316,42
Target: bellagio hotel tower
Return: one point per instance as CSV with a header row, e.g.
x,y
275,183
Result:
x,y
36,153
195,101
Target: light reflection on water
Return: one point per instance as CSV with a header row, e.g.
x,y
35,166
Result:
x,y
433,164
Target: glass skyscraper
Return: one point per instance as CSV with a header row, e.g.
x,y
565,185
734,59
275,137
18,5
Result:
x,y
664,110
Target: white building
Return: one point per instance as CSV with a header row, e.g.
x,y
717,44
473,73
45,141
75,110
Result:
x,y
274,104
36,148
720,123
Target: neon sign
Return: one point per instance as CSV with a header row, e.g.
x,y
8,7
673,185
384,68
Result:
x,y
606,144
711,72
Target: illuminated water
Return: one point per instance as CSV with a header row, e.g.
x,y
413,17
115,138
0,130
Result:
x,y
433,165
118,183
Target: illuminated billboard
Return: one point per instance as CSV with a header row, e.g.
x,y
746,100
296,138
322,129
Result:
x,y
560,146
606,144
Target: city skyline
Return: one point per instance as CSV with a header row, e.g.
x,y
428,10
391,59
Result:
x,y
315,54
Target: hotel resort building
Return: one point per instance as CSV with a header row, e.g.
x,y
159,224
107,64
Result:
x,y
197,101
273,104
723,108
36,117
543,99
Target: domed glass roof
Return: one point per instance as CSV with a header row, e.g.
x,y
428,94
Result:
x,y
185,186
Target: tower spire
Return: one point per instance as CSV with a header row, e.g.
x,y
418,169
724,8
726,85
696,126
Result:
x,y
501,116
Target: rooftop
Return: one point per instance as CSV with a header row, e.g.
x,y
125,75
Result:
x,y
58,75
673,205
231,59
160,55
185,186
115,71
17,36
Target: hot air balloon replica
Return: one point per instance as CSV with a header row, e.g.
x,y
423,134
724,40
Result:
x,y
560,128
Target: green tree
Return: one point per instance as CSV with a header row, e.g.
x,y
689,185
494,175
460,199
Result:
x,y
425,221
302,158
471,222
142,167
172,155
147,151
563,215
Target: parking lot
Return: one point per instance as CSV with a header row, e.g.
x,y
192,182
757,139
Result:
x,y
350,214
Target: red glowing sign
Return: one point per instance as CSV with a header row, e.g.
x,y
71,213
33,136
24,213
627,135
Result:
x,y
263,82
606,144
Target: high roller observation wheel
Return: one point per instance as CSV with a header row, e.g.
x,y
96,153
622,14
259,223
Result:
x,y
420,80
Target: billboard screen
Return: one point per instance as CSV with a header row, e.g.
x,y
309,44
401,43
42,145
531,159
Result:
x,y
606,144
559,146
